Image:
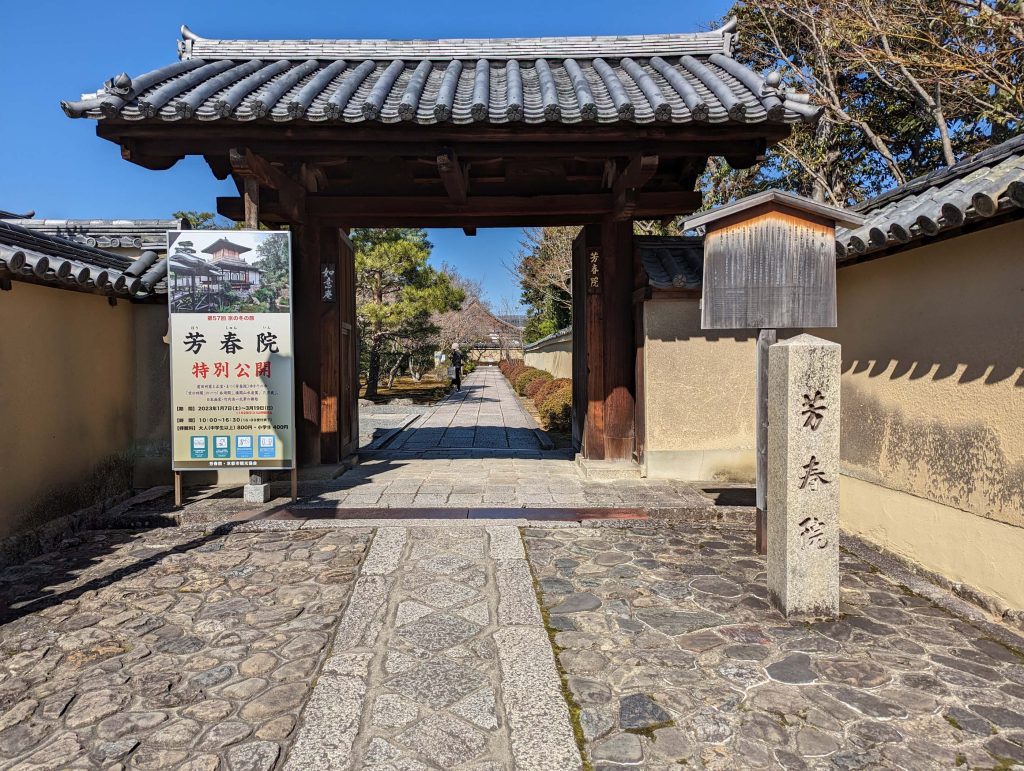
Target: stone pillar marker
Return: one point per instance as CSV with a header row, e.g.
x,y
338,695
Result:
x,y
803,476
258,489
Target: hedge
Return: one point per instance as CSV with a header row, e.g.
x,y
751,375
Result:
x,y
556,411
535,385
528,375
547,388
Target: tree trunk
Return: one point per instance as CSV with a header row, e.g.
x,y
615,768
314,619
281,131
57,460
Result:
x,y
394,371
373,369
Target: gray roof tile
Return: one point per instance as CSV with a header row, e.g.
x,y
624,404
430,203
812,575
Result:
x,y
26,255
977,188
675,262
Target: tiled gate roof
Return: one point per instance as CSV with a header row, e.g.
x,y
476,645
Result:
x,y
672,79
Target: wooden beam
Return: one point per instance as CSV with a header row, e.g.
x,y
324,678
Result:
x,y
469,231
479,211
298,134
252,203
453,175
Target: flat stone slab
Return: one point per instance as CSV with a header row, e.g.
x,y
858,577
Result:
x,y
444,646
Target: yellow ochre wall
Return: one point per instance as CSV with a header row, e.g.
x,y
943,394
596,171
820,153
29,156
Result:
x,y
699,390
554,356
67,369
933,406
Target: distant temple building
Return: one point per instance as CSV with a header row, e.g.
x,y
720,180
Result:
x,y
234,271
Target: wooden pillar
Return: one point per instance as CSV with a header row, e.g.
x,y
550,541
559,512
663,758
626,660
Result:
x,y
588,263
580,402
330,345
604,340
306,316
619,345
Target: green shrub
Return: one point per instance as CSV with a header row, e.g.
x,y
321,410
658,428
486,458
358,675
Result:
x,y
536,384
527,376
549,388
556,411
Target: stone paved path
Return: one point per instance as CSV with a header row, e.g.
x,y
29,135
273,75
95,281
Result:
x,y
441,661
394,480
675,658
167,649
485,414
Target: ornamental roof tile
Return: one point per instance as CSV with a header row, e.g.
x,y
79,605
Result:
x,y
147,234
673,262
674,79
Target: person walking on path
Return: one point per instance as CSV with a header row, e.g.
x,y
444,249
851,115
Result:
x,y
456,368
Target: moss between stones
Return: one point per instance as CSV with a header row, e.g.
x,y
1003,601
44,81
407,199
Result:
x,y
1015,651
953,722
649,730
1002,764
563,678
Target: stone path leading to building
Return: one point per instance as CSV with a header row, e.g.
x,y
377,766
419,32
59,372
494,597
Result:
x,y
484,415
441,661
318,645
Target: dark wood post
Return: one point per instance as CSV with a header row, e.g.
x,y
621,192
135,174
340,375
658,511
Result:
x,y
588,255
306,314
619,342
330,346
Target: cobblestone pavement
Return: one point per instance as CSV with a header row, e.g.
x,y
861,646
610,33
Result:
x,y
674,657
167,649
441,661
485,414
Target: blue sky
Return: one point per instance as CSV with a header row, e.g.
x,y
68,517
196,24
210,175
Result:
x,y
57,50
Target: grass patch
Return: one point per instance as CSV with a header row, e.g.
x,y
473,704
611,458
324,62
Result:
x,y
423,392
953,722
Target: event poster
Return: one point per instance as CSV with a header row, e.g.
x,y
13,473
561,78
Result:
x,y
232,365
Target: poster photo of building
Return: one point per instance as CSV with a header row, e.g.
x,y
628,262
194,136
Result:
x,y
218,271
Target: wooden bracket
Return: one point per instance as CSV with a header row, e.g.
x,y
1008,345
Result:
x,y
624,190
292,196
454,176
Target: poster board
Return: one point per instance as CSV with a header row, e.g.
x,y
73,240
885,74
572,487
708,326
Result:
x,y
232,353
